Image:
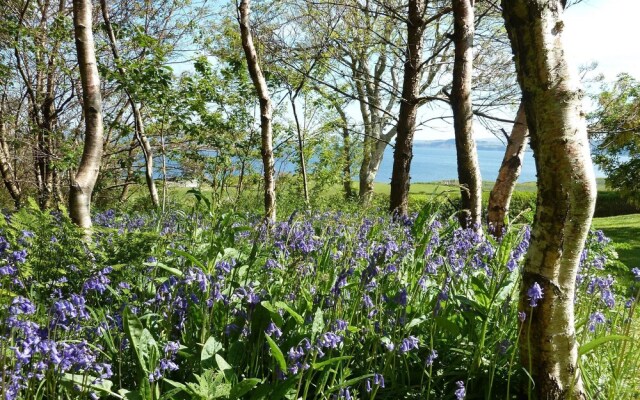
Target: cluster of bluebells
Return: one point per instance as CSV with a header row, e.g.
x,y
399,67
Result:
x,y
36,355
167,363
367,277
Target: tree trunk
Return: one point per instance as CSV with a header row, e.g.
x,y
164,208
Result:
x,y
408,109
468,169
303,166
82,184
147,151
346,154
265,110
124,194
6,169
508,174
566,195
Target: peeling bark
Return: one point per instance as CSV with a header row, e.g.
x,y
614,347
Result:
x,y
469,176
500,196
265,110
566,195
83,182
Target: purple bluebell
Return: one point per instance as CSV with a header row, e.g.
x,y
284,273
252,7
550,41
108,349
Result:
x,y
460,392
522,316
408,344
21,305
535,294
272,329
330,340
431,358
596,319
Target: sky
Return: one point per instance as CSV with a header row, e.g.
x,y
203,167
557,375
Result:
x,y
605,31
602,31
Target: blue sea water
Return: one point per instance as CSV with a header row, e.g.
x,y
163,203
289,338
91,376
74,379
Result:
x,y
436,161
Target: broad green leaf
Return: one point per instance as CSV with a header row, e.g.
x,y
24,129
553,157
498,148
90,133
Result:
x,y
133,329
241,388
417,321
210,348
295,315
318,324
277,354
224,366
171,270
189,257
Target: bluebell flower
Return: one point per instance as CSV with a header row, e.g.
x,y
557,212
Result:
x,y
522,316
19,256
596,319
535,294
272,329
636,273
431,358
21,305
330,340
408,344
378,379
461,392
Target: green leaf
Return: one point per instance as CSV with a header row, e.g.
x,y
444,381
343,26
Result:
x,y
241,388
133,329
189,257
318,324
592,345
210,349
103,386
448,326
224,366
324,363
167,268
291,312
277,354
417,321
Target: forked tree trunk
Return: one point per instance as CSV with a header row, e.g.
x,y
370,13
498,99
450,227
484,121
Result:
x,y
83,182
140,135
469,176
500,196
566,195
265,110
403,153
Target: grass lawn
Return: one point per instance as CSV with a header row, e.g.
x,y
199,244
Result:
x,y
624,231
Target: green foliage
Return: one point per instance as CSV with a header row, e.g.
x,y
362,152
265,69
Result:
x,y
615,128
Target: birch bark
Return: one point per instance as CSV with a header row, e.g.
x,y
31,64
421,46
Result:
x,y
566,194
83,182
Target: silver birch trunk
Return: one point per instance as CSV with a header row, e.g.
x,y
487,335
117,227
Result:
x,y
265,110
469,177
502,190
83,182
566,195
141,137
6,169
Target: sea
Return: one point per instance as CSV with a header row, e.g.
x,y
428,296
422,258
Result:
x,y
436,160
